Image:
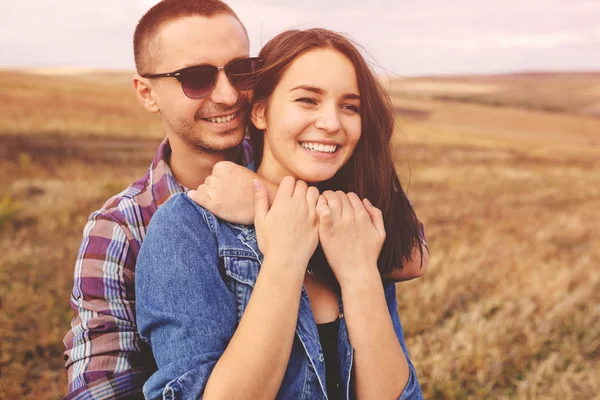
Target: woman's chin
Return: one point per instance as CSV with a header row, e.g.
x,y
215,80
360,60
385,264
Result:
x,y
316,176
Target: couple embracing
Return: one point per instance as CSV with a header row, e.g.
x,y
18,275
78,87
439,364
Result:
x,y
274,278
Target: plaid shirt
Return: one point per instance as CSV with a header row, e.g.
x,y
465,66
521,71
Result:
x,y
105,357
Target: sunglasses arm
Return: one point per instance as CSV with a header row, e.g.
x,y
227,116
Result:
x,y
166,75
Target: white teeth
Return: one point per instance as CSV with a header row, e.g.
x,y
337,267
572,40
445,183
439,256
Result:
x,y
219,120
323,148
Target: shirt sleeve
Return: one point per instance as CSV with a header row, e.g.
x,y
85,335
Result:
x,y
104,356
185,310
412,390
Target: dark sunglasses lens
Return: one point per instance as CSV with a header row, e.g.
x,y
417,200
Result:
x,y
242,74
198,82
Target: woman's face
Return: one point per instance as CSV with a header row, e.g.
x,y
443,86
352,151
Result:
x,y
312,120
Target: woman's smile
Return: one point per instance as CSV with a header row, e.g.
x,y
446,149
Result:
x,y
311,123
321,150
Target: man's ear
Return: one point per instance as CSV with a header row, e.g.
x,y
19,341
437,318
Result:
x,y
258,115
145,93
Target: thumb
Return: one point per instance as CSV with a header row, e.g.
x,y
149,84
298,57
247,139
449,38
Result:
x,y
200,196
261,201
376,217
324,214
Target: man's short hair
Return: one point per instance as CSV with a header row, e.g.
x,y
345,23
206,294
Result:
x,y
146,46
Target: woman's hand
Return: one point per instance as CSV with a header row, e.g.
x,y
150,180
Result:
x,y
289,230
352,233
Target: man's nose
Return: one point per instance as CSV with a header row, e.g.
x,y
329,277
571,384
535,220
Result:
x,y
328,120
224,93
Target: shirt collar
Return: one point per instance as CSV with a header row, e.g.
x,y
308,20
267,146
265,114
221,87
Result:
x,y
162,181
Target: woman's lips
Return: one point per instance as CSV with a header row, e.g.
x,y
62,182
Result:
x,y
316,152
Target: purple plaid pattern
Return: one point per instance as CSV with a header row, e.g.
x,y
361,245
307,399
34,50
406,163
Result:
x,y
105,357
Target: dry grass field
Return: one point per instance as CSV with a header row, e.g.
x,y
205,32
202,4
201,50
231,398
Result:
x,y
574,93
509,194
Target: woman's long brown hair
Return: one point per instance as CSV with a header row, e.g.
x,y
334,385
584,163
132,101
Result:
x,y
370,171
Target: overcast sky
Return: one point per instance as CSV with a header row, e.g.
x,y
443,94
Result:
x,y
406,37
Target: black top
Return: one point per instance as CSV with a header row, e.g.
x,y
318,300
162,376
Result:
x,y
328,334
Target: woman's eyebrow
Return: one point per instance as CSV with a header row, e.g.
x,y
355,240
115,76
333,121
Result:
x,y
351,96
314,89
309,89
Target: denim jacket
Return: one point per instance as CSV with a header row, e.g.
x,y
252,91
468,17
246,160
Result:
x,y
194,277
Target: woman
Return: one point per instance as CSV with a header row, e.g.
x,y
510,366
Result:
x,y
235,311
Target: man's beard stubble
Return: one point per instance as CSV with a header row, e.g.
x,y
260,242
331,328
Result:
x,y
210,142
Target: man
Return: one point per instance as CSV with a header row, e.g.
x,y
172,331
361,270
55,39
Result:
x,y
204,115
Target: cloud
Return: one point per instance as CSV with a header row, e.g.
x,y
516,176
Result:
x,y
408,37
502,41
544,41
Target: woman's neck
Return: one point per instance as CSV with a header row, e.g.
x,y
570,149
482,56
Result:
x,y
271,170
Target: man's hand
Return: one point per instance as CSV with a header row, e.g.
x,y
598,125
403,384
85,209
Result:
x,y
411,269
229,193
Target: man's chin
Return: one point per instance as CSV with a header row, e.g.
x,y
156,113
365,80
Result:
x,y
217,142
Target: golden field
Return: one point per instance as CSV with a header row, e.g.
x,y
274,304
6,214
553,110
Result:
x,y
506,180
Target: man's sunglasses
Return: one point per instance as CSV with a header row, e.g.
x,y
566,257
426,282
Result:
x,y
199,81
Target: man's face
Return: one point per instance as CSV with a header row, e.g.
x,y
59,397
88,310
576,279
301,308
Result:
x,y
190,41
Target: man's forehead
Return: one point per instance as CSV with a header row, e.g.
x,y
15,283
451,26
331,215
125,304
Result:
x,y
200,40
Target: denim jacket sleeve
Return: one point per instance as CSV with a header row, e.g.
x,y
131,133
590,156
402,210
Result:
x,y
181,300
412,390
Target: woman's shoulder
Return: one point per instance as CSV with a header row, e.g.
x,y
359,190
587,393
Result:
x,y
182,211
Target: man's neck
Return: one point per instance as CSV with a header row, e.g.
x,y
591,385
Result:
x,y
191,166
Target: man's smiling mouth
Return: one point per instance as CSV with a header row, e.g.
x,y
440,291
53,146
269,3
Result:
x,y
222,119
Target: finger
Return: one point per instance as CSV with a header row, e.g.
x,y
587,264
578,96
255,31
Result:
x,y
345,203
300,189
261,201
355,202
286,187
224,167
200,196
312,196
324,214
333,202
210,180
376,217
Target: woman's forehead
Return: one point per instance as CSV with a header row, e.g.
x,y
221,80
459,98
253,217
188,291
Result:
x,y
325,69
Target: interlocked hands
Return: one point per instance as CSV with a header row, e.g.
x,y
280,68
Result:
x,y
351,231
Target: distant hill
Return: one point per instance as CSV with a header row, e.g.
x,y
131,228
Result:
x,y
73,102
83,102
563,92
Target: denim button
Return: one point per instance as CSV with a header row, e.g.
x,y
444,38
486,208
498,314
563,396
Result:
x,y
341,315
321,358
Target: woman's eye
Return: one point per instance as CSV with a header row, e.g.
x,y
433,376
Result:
x,y
351,107
307,100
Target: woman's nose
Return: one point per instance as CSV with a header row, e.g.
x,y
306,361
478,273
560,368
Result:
x,y
328,121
